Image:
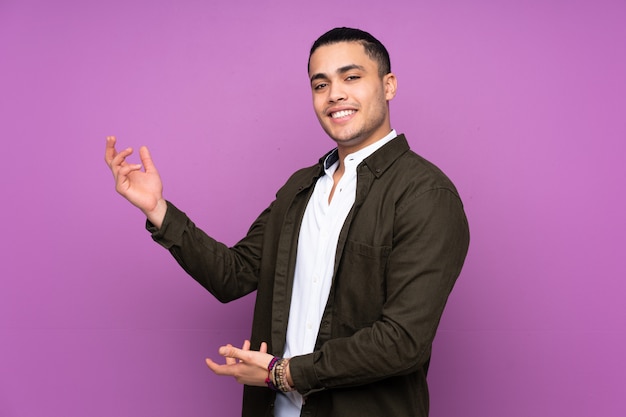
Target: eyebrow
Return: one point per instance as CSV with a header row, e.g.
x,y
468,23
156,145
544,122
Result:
x,y
341,70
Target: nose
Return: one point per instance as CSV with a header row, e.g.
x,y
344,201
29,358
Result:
x,y
336,93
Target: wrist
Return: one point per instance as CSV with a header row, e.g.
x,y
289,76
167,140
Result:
x,y
157,214
277,375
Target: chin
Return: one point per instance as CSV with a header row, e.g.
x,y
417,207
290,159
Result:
x,y
348,141
342,136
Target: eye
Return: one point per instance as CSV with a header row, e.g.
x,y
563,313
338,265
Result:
x,y
319,86
352,77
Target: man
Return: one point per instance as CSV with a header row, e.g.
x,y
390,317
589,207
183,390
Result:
x,y
352,263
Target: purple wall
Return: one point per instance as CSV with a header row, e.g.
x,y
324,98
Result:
x,y
523,104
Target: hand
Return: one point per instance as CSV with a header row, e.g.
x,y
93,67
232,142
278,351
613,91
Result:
x,y
246,366
143,189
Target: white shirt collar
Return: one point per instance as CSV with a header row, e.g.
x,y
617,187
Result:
x,y
354,159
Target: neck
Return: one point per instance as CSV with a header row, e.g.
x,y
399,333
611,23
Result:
x,y
349,147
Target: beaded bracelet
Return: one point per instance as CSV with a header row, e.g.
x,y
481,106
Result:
x,y
270,368
279,376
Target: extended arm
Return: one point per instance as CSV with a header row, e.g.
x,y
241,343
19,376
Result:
x,y
431,240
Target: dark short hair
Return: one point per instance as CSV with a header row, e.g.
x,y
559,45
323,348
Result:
x,y
373,48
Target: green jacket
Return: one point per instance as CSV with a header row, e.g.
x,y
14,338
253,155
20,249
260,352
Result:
x,y
399,254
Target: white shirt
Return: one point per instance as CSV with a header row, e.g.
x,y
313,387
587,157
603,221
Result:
x,y
315,260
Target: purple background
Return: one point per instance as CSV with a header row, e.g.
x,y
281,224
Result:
x,y
523,104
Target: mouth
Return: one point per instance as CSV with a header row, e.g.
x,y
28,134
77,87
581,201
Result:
x,y
341,113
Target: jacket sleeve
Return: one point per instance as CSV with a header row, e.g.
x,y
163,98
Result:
x,y
227,273
430,242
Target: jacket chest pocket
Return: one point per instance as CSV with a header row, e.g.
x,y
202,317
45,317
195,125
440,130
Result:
x,y
359,293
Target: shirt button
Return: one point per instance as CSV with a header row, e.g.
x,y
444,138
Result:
x,y
309,326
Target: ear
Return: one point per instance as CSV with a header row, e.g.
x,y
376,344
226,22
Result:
x,y
390,82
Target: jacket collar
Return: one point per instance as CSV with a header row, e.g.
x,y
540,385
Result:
x,y
378,162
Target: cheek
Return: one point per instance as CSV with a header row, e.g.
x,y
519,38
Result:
x,y
318,105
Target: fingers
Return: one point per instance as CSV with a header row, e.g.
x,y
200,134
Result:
x,y
245,347
113,158
120,158
245,365
109,150
226,351
126,169
243,373
119,167
245,355
217,368
231,353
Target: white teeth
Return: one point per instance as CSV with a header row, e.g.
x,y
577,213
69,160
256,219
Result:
x,y
342,113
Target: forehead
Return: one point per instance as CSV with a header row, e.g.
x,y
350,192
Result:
x,y
329,58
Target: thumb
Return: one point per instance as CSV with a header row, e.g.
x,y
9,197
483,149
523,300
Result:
x,y
146,159
229,351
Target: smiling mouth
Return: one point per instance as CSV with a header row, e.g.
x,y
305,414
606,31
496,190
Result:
x,y
342,113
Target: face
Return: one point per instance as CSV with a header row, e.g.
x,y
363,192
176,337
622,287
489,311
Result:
x,y
349,96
